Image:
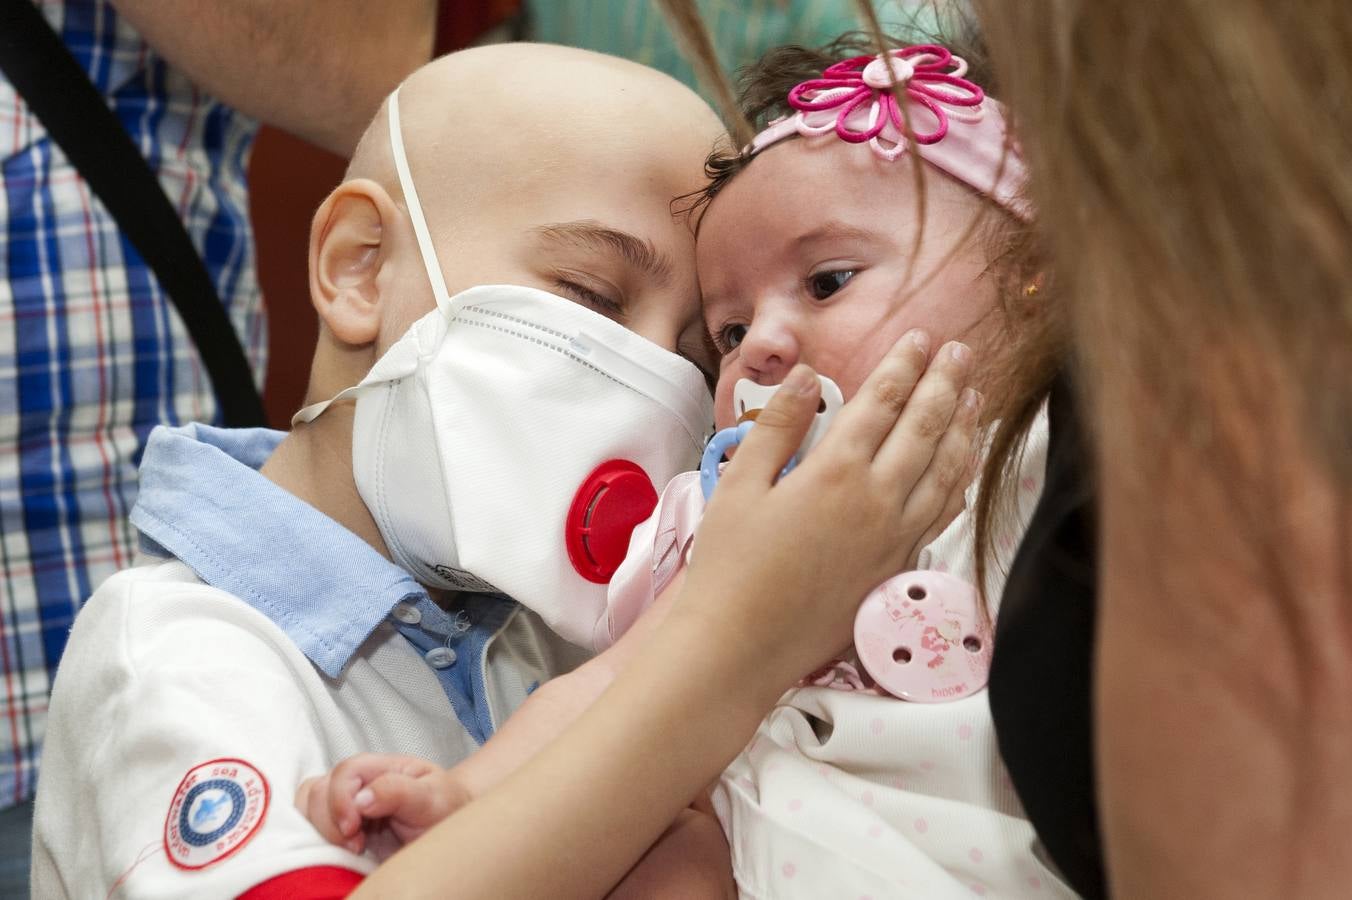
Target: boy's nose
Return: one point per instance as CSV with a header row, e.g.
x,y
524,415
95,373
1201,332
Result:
x,y
769,350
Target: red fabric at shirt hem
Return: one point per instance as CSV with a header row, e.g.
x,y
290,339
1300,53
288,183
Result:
x,y
312,883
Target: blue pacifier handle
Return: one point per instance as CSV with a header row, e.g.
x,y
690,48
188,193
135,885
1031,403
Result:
x,y
718,447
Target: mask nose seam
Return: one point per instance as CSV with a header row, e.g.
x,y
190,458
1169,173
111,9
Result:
x,y
695,439
493,313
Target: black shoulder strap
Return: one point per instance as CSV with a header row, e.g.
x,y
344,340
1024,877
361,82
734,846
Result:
x,y
52,83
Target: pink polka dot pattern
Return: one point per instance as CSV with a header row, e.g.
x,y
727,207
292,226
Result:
x,y
795,805
866,798
921,826
876,726
979,890
927,765
875,831
975,855
1034,882
1029,484
941,567
964,732
789,869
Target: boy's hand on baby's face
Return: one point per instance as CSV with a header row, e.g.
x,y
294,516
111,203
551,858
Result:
x,y
784,566
377,793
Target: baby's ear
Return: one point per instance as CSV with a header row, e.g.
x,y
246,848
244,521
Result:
x,y
347,250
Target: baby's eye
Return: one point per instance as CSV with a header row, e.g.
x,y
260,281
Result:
x,y
824,284
730,337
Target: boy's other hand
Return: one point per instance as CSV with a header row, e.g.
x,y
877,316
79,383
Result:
x,y
379,793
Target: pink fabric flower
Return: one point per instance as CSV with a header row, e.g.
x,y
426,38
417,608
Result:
x,y
929,75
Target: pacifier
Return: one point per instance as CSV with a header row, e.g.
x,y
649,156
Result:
x,y
748,399
921,637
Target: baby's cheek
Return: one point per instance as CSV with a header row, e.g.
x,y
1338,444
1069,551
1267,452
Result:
x,y
850,370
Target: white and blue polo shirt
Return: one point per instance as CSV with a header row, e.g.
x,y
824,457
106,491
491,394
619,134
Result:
x,y
258,643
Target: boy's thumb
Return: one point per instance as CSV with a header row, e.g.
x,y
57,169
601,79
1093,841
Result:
x,y
780,427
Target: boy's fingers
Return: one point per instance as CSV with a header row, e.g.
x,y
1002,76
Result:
x,y
406,798
355,772
941,493
780,429
416,767
366,766
342,787
312,799
908,450
302,800
871,414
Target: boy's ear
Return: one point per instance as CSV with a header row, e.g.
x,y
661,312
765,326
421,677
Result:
x,y
347,250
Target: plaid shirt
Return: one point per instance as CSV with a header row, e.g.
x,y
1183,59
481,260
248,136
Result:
x,y
92,355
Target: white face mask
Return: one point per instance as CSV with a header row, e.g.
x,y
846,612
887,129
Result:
x,y
511,440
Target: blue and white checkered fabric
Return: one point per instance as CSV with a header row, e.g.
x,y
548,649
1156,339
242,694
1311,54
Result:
x,y
92,355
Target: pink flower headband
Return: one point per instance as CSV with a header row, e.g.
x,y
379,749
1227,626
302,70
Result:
x,y
955,126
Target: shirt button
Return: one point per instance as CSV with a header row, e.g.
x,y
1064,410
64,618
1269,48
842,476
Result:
x,y
440,657
407,613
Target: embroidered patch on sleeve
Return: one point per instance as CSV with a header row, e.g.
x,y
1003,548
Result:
x,y
218,806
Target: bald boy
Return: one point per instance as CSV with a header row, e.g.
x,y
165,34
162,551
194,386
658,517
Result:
x,y
268,633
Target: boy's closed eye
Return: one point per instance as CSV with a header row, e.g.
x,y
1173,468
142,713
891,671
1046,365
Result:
x,y
594,292
625,278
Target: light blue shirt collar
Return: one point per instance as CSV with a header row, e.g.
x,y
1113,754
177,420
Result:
x,y
203,500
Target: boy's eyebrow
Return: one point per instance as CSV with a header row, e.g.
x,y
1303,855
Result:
x,y
588,233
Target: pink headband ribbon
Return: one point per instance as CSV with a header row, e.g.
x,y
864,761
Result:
x,y
955,126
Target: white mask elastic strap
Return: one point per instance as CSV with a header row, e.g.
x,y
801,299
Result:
x,y
425,249
310,413
429,253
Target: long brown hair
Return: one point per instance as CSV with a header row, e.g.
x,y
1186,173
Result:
x,y
1192,168
1211,206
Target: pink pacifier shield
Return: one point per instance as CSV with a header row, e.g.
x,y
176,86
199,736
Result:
x,y
922,637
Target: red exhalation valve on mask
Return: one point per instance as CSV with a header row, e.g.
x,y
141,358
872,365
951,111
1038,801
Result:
x,y
612,501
